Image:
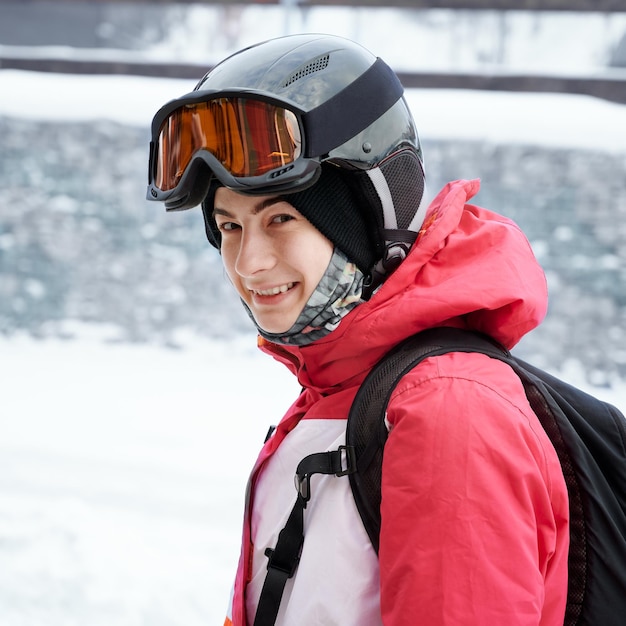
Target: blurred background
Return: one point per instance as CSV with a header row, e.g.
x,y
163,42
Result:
x,y
132,405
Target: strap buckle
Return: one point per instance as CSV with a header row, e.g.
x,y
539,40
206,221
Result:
x,y
340,462
286,568
303,486
350,466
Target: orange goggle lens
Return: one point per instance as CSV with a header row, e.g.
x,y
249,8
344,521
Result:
x,y
248,137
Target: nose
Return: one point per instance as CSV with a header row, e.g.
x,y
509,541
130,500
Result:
x,y
257,252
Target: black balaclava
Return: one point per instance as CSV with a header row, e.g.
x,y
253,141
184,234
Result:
x,y
332,207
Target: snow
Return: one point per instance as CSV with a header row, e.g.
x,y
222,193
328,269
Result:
x,y
122,476
123,467
542,119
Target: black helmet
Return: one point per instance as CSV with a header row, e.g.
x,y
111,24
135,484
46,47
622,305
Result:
x,y
264,120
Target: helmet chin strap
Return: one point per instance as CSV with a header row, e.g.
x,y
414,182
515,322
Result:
x,y
398,241
398,244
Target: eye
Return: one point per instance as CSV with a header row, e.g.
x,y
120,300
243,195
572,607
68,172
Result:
x,y
283,217
227,226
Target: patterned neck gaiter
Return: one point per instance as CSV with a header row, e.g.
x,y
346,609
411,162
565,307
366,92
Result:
x,y
337,293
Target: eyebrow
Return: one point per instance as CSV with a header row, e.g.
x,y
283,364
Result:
x,y
256,209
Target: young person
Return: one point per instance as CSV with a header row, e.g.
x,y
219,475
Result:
x,y
307,164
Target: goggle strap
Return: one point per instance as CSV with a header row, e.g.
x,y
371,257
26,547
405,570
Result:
x,y
352,110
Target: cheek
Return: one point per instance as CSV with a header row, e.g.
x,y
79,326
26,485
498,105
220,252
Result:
x,y
324,259
318,257
229,259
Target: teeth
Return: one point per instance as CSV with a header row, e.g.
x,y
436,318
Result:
x,y
274,291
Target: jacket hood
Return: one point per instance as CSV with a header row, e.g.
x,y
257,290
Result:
x,y
470,268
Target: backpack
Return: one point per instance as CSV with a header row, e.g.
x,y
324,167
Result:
x,y
588,435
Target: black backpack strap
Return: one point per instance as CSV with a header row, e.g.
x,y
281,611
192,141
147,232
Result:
x,y
283,560
589,437
366,430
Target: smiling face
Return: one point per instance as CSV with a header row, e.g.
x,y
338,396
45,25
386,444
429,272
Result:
x,y
272,254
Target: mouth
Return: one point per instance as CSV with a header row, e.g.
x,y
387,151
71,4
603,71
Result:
x,y
273,291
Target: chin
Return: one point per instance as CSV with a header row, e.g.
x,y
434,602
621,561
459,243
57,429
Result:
x,y
274,327
274,330
274,321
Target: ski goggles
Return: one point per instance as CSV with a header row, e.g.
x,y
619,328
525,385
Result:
x,y
253,142
246,141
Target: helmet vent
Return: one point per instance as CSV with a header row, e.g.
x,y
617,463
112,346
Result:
x,y
316,65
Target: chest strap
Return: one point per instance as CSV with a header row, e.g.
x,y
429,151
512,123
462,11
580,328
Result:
x,y
283,560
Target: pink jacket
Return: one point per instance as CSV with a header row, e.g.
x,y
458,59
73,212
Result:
x,y
475,509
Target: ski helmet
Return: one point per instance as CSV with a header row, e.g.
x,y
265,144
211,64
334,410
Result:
x,y
264,120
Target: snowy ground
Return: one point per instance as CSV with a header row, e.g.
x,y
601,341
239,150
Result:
x,y
122,467
541,119
122,472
